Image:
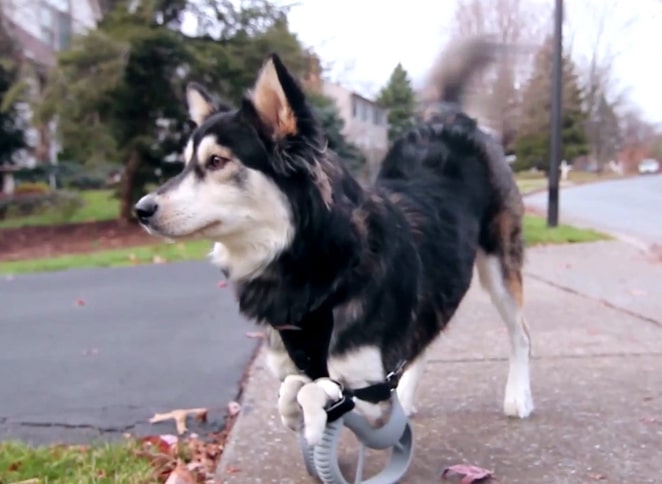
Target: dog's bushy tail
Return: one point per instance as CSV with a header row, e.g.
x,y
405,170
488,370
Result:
x,y
457,65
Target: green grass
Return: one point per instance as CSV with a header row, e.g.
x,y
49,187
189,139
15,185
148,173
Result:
x,y
536,232
111,258
527,185
532,181
98,464
98,205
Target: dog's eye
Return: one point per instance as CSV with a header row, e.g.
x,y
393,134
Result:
x,y
216,162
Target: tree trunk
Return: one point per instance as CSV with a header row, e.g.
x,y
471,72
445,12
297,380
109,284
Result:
x,y
126,187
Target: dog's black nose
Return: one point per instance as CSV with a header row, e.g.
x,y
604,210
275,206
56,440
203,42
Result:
x,y
145,209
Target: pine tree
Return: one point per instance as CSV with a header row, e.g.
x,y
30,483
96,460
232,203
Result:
x,y
333,124
532,144
399,98
12,123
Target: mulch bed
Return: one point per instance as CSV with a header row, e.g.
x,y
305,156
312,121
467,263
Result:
x,y
47,241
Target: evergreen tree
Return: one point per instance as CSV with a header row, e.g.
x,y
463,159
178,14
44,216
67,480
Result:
x,y
332,124
532,144
118,93
12,123
399,98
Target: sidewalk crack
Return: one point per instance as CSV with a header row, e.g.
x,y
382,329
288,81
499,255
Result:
x,y
598,299
123,428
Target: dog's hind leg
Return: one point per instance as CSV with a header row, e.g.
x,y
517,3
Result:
x,y
409,383
502,278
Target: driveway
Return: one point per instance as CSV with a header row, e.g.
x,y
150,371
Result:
x,y
631,207
95,353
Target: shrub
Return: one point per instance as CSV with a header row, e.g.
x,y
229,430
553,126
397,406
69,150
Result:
x,y
60,206
27,188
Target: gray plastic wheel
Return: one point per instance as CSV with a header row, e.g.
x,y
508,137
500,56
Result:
x,y
308,453
322,460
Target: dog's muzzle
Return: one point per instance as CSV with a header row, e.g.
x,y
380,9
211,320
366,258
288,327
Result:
x,y
145,209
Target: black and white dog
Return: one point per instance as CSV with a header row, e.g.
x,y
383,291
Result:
x,y
310,251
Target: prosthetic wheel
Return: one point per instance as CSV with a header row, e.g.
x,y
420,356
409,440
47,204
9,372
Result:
x,y
396,435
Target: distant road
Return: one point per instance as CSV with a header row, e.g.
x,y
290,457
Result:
x,y
632,206
88,354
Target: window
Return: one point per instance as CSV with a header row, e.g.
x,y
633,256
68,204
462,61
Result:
x,y
61,5
55,23
64,30
355,107
378,118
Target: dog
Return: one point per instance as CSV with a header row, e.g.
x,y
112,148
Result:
x,y
304,243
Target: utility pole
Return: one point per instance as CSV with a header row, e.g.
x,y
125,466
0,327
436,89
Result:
x,y
556,111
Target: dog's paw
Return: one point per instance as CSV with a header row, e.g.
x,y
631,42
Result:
x,y
288,407
518,401
313,398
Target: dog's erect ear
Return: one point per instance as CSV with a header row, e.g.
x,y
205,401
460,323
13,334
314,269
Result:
x,y
277,99
200,103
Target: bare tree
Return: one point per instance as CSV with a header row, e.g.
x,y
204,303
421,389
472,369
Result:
x,y
605,100
518,24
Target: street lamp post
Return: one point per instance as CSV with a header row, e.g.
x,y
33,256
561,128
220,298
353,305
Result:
x,y
555,133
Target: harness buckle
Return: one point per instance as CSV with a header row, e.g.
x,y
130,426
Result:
x,y
396,373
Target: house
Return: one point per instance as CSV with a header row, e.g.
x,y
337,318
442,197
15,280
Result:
x,y
42,28
365,123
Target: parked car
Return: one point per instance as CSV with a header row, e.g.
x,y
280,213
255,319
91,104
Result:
x,y
648,166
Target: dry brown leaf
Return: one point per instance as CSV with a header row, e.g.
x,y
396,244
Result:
x,y
469,473
181,475
233,408
597,477
179,416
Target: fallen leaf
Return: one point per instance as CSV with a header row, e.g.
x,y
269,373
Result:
x,y
180,475
254,334
179,416
222,284
469,473
157,259
80,302
14,466
233,409
132,257
232,470
201,416
597,477
157,442
169,439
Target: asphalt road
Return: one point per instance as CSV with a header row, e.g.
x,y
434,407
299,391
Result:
x,y
147,339
630,207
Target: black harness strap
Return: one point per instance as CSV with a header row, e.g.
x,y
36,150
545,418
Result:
x,y
308,342
308,346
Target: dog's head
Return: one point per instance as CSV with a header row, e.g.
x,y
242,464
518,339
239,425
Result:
x,y
242,166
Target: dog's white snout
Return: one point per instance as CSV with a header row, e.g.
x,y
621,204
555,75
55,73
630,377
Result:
x,y
146,208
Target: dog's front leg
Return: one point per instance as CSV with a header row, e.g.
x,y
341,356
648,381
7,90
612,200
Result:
x,y
291,379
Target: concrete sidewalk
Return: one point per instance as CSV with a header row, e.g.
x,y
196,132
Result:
x,y
595,313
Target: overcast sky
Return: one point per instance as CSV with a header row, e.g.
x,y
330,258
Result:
x,y
363,40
